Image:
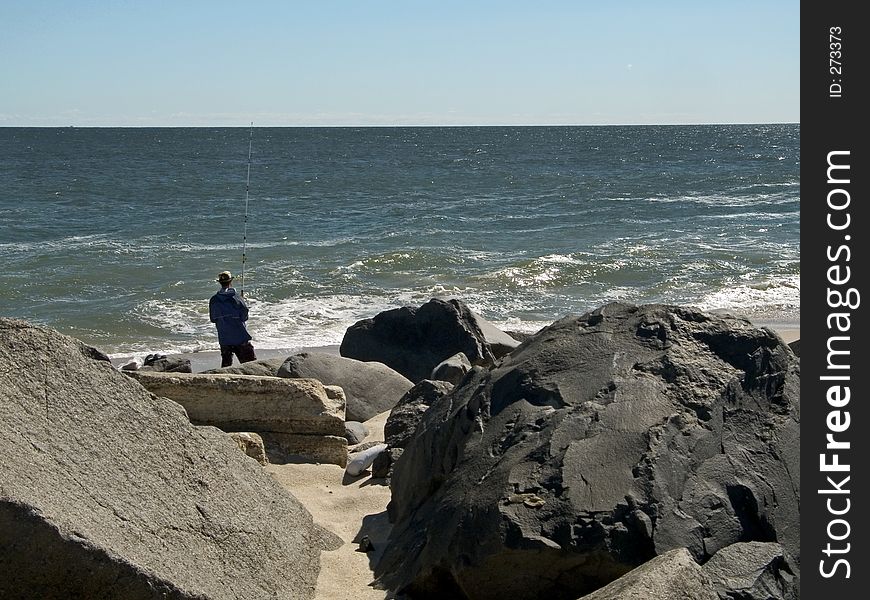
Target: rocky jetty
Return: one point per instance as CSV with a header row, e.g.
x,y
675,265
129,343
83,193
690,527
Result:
x,y
602,442
109,491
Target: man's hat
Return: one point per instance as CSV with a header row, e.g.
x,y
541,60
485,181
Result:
x,y
224,277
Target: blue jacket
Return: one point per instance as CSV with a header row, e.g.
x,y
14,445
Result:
x,y
229,312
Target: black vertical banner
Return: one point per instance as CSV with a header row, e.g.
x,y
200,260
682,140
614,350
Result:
x,y
835,225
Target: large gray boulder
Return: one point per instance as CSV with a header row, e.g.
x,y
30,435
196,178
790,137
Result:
x,y
108,491
600,443
369,387
413,341
251,402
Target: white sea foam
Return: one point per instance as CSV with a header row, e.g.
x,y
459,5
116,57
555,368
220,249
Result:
x,y
67,243
317,321
728,200
523,278
180,317
781,295
558,259
515,324
309,322
288,323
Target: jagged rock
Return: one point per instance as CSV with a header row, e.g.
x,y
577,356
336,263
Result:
x,y
165,364
265,368
795,347
414,340
402,421
382,467
637,430
131,365
672,576
520,336
370,387
751,571
405,416
295,417
355,432
251,444
95,354
152,358
108,491
452,369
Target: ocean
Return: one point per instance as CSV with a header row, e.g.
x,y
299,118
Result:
x,y
115,236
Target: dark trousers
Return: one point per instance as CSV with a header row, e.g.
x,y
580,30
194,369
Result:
x,y
244,352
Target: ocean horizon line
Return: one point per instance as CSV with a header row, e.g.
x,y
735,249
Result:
x,y
408,126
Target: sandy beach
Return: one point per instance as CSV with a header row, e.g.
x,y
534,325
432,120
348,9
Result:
x,y
349,507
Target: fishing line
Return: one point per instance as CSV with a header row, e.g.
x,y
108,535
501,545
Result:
x,y
247,190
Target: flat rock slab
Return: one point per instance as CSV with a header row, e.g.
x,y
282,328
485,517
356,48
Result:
x,y
108,491
370,387
252,402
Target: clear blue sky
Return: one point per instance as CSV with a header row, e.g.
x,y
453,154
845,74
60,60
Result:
x,y
370,62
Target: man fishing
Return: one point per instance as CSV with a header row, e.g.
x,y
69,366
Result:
x,y
229,312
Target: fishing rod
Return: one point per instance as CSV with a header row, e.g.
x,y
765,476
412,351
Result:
x,y
247,190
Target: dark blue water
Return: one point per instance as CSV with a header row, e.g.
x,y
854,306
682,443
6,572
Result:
x,y
115,235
